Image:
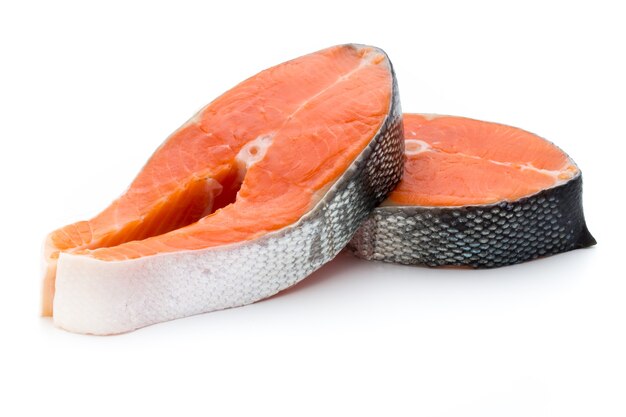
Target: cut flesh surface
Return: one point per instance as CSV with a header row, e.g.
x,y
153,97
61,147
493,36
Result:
x,y
253,161
456,161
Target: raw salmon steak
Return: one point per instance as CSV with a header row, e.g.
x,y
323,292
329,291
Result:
x,y
255,192
476,194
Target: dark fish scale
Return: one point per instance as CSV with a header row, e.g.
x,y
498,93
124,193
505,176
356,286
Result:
x,y
505,233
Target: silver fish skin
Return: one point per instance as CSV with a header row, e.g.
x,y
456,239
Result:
x,y
483,236
120,298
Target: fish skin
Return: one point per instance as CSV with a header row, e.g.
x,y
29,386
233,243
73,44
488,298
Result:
x,y
483,236
98,297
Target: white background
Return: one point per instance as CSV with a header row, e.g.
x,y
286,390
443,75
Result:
x,y
88,92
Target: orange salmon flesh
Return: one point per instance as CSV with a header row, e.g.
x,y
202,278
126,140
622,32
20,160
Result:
x,y
456,161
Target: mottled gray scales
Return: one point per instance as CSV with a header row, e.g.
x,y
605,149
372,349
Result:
x,y
505,233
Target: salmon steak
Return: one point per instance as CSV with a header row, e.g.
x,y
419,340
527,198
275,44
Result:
x,y
255,192
476,194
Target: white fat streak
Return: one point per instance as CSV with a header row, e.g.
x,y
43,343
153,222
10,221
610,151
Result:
x,y
431,116
252,152
368,59
213,189
417,146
